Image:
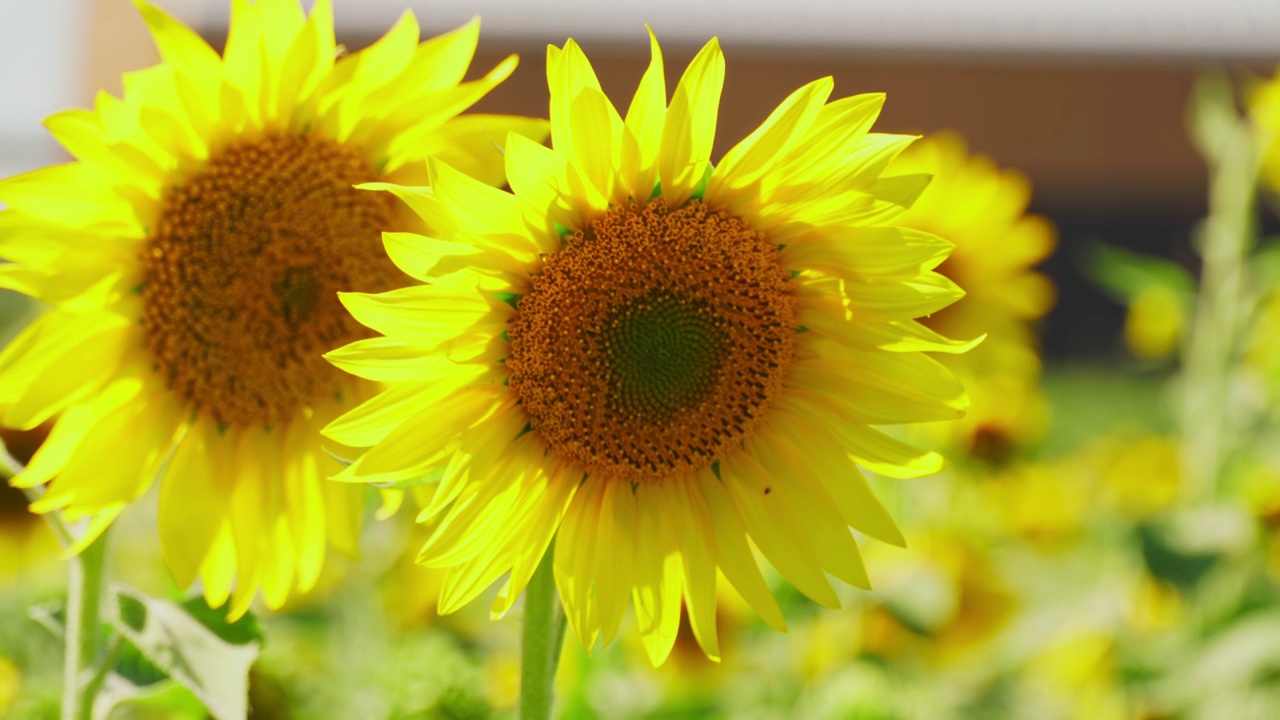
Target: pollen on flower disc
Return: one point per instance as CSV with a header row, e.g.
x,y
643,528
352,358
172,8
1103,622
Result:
x,y
654,341
242,269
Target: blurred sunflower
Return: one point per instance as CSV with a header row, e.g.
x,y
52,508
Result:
x,y
191,257
657,360
982,209
1264,110
24,538
948,597
10,683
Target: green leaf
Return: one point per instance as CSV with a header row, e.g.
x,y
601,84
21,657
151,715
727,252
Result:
x,y
1183,546
134,667
241,632
51,616
210,658
1124,274
1264,266
165,700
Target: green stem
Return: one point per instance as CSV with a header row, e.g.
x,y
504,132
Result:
x,y
83,675
99,678
84,599
1219,314
543,635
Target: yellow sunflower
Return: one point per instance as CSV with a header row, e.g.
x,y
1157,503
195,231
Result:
x,y
1264,110
191,257
25,539
658,362
982,209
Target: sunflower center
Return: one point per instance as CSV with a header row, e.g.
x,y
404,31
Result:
x,y
241,272
654,341
662,354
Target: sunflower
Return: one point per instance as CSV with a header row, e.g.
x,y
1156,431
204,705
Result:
x,y
1264,112
653,360
191,257
982,209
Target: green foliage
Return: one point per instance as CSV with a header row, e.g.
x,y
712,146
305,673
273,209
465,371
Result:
x,y
203,653
1123,274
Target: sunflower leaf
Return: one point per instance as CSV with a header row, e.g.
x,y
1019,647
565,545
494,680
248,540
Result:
x,y
1124,274
191,645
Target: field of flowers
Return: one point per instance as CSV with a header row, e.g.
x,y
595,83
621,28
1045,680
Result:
x,y
1075,539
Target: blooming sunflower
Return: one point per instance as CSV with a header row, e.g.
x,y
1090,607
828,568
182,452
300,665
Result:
x,y
191,258
656,360
982,209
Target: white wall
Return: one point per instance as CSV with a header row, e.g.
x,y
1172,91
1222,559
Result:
x,y
41,60
1179,28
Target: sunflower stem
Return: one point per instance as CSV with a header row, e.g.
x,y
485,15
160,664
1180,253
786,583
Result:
x,y
84,600
543,635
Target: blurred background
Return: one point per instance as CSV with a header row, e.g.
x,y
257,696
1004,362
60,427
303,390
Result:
x,y
1060,568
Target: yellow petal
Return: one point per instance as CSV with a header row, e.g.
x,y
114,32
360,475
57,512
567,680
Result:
x,y
755,155
421,443
387,360
733,555
219,569
574,566
474,143
693,525
924,295
659,574
872,448
882,254
645,118
821,464
884,388
797,499
181,47
309,58
343,512
371,421
79,368
67,195
774,525
305,502
837,131
690,127
194,496
424,315
81,133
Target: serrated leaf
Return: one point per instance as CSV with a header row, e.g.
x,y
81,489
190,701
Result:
x,y
134,667
188,651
